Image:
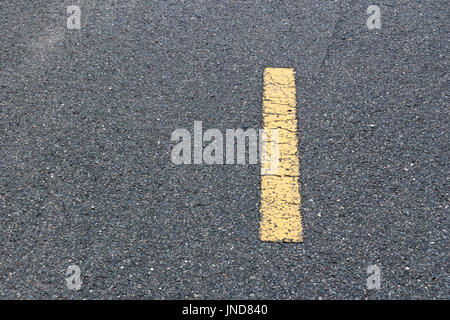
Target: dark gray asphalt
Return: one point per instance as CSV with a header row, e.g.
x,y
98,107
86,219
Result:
x,y
85,171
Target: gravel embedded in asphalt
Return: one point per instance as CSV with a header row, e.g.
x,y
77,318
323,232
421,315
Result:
x,y
85,171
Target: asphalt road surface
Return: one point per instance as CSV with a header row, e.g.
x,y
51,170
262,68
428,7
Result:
x,y
86,176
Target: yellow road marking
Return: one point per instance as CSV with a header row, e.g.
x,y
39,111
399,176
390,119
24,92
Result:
x,y
281,220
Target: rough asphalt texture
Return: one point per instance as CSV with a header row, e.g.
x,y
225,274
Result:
x,y
85,171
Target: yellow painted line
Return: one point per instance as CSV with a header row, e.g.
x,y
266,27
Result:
x,y
281,220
